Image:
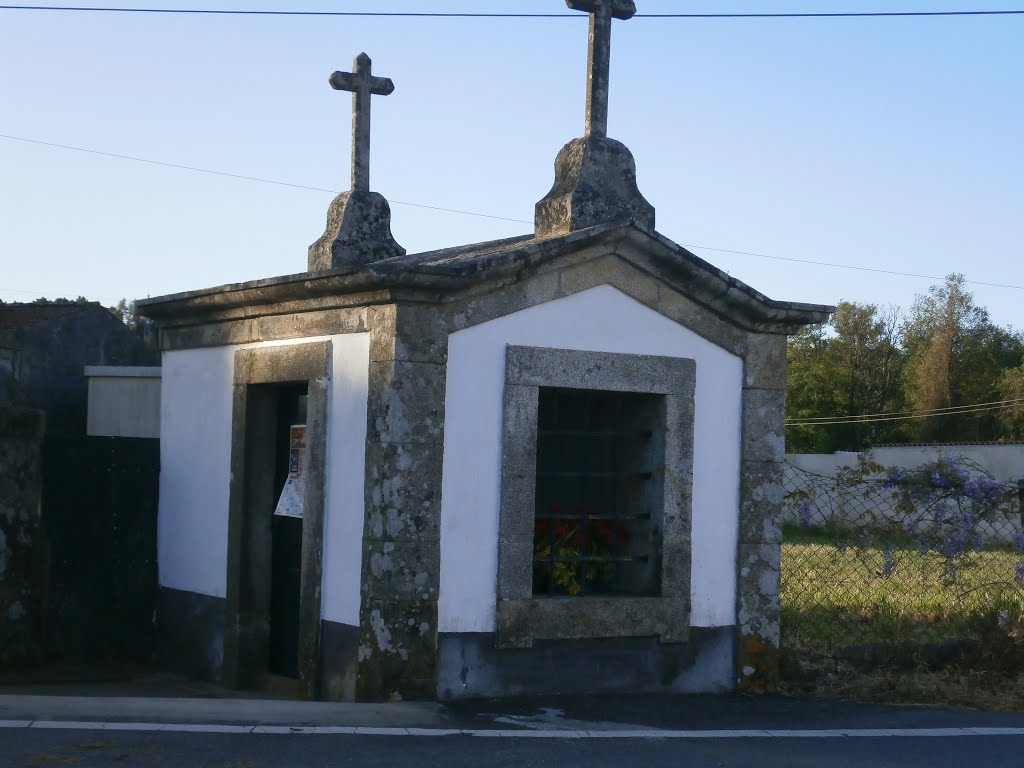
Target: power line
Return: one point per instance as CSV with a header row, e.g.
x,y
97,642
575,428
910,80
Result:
x,y
849,266
493,15
275,182
896,418
243,177
922,413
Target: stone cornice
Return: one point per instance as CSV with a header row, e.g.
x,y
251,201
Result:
x,y
436,276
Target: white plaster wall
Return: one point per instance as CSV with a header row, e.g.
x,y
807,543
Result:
x,y
602,319
195,467
195,463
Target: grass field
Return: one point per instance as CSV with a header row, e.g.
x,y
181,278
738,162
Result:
x,y
850,629
833,598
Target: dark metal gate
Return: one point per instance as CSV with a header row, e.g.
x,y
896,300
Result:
x,y
99,509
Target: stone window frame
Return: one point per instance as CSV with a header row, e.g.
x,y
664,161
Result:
x,y
247,629
523,618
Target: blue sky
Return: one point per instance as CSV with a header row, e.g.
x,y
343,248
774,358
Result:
x,y
891,144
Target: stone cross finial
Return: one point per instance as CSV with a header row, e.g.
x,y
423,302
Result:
x,y
595,177
362,84
358,221
599,56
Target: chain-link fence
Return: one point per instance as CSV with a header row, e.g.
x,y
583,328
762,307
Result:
x,y
892,566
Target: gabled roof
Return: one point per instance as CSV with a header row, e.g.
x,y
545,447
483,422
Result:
x,y
431,275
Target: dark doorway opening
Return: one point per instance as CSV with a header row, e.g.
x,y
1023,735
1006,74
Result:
x,y
285,541
272,564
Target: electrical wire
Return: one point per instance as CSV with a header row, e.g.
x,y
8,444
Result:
x,y
244,177
497,15
848,266
922,413
275,182
894,418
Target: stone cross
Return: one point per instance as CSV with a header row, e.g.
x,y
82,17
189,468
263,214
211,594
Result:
x,y
599,56
362,84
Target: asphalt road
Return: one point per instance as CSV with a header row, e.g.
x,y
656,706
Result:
x,y
40,730
91,749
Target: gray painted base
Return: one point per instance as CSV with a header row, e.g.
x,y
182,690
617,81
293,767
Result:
x,y
191,643
190,633
471,667
339,661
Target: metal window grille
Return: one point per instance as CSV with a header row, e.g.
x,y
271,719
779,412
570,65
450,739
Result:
x,y
598,481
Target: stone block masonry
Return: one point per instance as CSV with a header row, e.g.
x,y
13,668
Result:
x,y
401,538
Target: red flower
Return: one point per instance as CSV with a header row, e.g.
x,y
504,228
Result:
x,y
603,531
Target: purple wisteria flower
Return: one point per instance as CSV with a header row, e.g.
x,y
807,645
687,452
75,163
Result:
x,y
938,480
1018,572
888,562
803,514
954,546
894,477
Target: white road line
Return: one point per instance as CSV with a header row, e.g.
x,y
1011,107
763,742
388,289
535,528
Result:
x,y
300,730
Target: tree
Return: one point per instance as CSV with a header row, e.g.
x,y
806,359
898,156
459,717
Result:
x,y
851,366
125,312
1011,387
955,357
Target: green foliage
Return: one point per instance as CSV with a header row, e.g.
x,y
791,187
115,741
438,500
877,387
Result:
x,y
955,357
868,360
124,311
1011,387
850,366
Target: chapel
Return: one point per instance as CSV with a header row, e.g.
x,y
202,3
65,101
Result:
x,y
544,464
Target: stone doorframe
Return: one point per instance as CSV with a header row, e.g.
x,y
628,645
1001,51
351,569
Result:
x,y
247,632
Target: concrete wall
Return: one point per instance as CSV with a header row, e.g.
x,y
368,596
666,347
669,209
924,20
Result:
x,y
601,319
1003,462
23,553
123,401
195,458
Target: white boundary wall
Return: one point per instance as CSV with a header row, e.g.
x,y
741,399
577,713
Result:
x,y
1003,462
195,468
602,319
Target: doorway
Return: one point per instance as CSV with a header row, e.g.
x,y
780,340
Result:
x,y
285,533
275,524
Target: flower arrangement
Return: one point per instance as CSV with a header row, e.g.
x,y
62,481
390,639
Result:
x,y
579,546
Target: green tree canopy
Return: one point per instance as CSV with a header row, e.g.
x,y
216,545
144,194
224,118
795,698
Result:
x,y
869,360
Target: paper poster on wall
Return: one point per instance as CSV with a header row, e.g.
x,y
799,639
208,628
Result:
x,y
294,491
